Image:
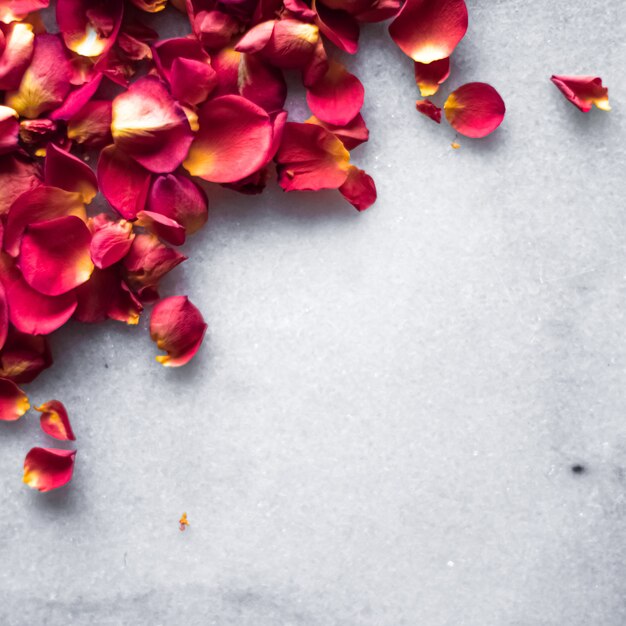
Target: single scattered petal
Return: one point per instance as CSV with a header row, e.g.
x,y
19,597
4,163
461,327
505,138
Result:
x,y
338,97
583,91
9,129
180,199
91,126
46,469
178,328
359,189
148,260
89,27
474,109
45,83
13,401
429,109
233,141
339,26
16,55
311,158
110,241
429,30
352,134
63,170
150,126
429,76
54,255
24,357
163,227
54,420
183,522
123,181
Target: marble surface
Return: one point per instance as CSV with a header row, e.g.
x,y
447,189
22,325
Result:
x,y
381,427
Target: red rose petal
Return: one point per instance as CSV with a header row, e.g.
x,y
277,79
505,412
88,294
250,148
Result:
x,y
150,6
429,109
352,134
177,327
163,227
429,76
91,126
11,10
215,29
63,170
46,469
54,255
429,30
54,420
13,401
18,174
148,260
24,357
474,109
339,26
4,316
359,189
233,141
110,241
77,99
16,55
261,83
9,129
583,91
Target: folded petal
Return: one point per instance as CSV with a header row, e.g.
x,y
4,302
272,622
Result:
x,y
110,242
178,328
352,134
45,83
359,189
24,357
77,99
180,199
17,53
13,401
54,255
338,97
64,170
123,181
54,420
311,158
583,91
163,227
150,126
474,109
233,141
148,260
46,469
429,76
339,26
91,126
9,129
429,30
89,27
429,109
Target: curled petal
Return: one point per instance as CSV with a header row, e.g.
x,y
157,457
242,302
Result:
x,y
13,401
583,91
91,126
45,83
17,53
77,99
150,126
24,357
359,189
64,170
110,242
339,26
429,76
429,30
37,134
89,27
54,255
54,420
311,158
178,328
46,469
36,205
338,97
180,199
134,40
429,109
163,227
149,260
9,129
474,109
352,134
233,141
150,6
123,182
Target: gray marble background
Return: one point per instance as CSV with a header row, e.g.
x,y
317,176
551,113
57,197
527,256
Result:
x,y
381,426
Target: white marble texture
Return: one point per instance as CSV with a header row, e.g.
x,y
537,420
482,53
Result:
x,y
380,428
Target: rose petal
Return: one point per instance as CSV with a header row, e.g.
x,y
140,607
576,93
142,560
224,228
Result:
x,y
583,91
4,316
24,357
45,83
338,97
261,83
429,109
311,158
150,126
9,129
150,6
149,260
64,170
163,227
89,27
91,126
215,29
17,53
13,401
429,76
54,420
429,30
339,26
379,11
123,182
233,141
178,328
359,189
54,255
11,10
474,109
77,99
180,199
352,134
46,469
134,39
110,242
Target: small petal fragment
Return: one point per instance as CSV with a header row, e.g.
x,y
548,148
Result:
x,y
429,30
429,109
54,420
13,401
183,522
583,91
429,76
63,170
177,327
475,109
359,189
46,469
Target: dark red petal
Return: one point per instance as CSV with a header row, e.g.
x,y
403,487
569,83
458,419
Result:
x,y
110,242
149,260
63,170
427,108
91,126
359,189
24,356
46,469
339,26
13,401
163,227
9,129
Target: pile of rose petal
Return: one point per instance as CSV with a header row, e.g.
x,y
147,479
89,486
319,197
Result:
x,y
151,115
